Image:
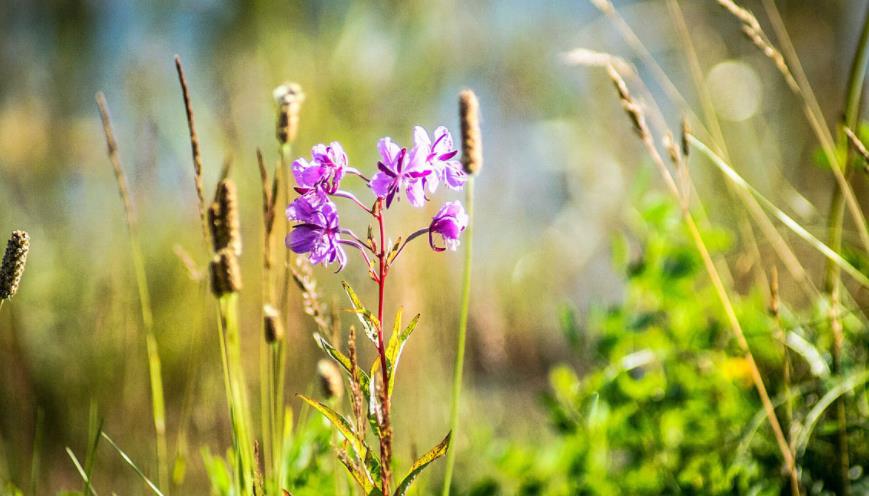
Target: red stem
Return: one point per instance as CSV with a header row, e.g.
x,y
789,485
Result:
x,y
381,286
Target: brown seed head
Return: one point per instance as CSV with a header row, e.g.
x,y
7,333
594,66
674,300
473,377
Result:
x,y
686,131
289,97
13,263
225,273
472,143
274,328
330,379
633,110
773,292
223,218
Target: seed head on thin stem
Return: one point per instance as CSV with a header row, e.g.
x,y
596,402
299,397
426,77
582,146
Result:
x,y
330,379
13,264
223,218
686,131
289,97
754,32
472,143
274,328
194,144
631,107
225,273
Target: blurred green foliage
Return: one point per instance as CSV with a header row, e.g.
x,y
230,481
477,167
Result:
x,y
661,401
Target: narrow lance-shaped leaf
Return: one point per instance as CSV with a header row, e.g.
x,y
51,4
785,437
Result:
x,y
395,347
418,466
359,474
340,423
369,321
397,342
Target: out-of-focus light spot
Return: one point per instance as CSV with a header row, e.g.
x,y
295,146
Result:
x,y
735,89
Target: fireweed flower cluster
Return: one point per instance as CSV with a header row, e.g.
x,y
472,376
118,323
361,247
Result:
x,y
414,173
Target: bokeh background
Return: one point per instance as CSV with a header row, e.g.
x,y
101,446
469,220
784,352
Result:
x,y
560,163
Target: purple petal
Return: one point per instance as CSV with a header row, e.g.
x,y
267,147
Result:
x,y
381,184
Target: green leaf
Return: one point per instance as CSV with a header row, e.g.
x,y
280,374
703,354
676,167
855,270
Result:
x,y
130,462
341,359
342,424
218,473
363,478
369,321
418,466
395,347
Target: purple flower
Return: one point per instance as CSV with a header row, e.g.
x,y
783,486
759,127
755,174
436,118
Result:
x,y
308,206
400,169
319,233
450,221
440,155
327,166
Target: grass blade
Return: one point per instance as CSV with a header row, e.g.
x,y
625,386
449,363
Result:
x,y
789,222
81,471
133,465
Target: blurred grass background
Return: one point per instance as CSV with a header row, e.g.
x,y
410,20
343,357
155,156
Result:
x,y
559,164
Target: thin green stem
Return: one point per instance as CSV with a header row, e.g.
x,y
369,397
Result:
x,y
154,369
230,342
832,283
462,334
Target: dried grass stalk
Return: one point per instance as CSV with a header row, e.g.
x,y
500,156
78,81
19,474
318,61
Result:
x,y
754,32
857,145
194,144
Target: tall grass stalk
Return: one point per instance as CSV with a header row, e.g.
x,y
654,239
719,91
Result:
x,y
458,371
225,285
637,117
785,219
832,282
158,408
230,343
779,334
778,243
472,163
791,68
